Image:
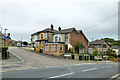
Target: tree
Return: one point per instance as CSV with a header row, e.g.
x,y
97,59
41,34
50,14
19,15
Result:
x,y
110,40
25,43
79,45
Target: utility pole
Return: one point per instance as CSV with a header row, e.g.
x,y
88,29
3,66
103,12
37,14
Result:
x,y
92,39
1,29
5,31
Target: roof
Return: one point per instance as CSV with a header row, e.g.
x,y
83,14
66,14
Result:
x,y
45,30
69,30
65,31
55,43
116,47
97,42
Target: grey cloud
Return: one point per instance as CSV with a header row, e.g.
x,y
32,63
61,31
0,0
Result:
x,y
24,18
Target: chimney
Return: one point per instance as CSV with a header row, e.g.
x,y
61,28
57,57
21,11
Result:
x,y
52,26
59,28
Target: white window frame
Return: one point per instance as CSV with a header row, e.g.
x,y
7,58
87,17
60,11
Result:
x,y
56,40
60,47
47,47
53,48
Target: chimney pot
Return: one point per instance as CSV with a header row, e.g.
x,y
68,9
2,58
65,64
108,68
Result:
x,y
59,28
52,26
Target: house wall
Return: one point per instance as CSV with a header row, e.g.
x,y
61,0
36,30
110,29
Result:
x,y
57,51
74,38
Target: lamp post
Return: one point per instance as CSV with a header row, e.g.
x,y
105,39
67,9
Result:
x,y
5,31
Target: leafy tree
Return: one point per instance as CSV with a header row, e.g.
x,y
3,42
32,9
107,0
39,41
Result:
x,y
79,45
110,40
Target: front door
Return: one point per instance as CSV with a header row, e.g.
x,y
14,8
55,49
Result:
x,y
66,48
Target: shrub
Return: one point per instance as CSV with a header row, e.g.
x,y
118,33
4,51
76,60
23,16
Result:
x,y
110,57
118,55
79,45
108,52
114,55
95,54
70,49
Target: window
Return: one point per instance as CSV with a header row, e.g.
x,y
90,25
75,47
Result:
x,y
41,36
60,47
59,39
66,37
53,47
47,48
56,39
104,46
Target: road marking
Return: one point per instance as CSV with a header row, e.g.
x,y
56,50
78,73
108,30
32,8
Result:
x,y
106,67
89,69
115,75
61,75
22,60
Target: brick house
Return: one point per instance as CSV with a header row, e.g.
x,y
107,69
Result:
x,y
65,39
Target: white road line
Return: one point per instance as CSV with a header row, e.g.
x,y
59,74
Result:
x,y
89,69
61,75
106,67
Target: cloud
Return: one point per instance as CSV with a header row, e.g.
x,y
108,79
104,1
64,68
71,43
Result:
x,y
22,18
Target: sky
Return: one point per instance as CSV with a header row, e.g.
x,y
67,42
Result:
x,y
96,18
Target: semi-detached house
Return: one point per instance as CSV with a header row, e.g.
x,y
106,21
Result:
x,y
60,41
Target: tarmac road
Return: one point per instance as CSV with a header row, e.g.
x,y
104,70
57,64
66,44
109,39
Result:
x,y
51,68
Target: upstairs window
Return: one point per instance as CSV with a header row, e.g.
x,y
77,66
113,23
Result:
x,y
41,36
60,47
53,47
66,37
59,39
56,39
47,48
104,46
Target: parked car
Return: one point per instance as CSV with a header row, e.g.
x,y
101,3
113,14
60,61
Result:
x,y
19,45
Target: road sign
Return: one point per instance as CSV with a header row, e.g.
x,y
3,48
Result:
x,y
5,37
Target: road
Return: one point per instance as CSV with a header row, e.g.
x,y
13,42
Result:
x,y
48,67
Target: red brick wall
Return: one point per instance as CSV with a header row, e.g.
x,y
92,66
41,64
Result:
x,y
57,51
74,38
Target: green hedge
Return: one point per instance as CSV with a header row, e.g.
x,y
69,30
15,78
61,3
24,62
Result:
x,y
3,51
118,55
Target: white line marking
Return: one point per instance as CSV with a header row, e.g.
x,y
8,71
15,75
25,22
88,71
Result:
x,y
89,69
106,67
61,75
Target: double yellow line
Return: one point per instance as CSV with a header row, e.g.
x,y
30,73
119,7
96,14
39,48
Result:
x,y
115,76
22,60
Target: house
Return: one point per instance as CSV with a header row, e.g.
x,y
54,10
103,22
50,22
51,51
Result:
x,y
100,46
65,39
41,37
116,49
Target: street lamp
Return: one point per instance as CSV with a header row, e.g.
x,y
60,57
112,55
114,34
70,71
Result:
x,y
5,31
1,29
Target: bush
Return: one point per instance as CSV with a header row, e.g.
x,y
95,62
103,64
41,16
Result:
x,y
79,45
110,57
114,55
118,55
95,54
70,49
108,53
41,50
4,52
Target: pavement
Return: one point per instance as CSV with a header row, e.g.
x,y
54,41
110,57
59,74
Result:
x,y
32,65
